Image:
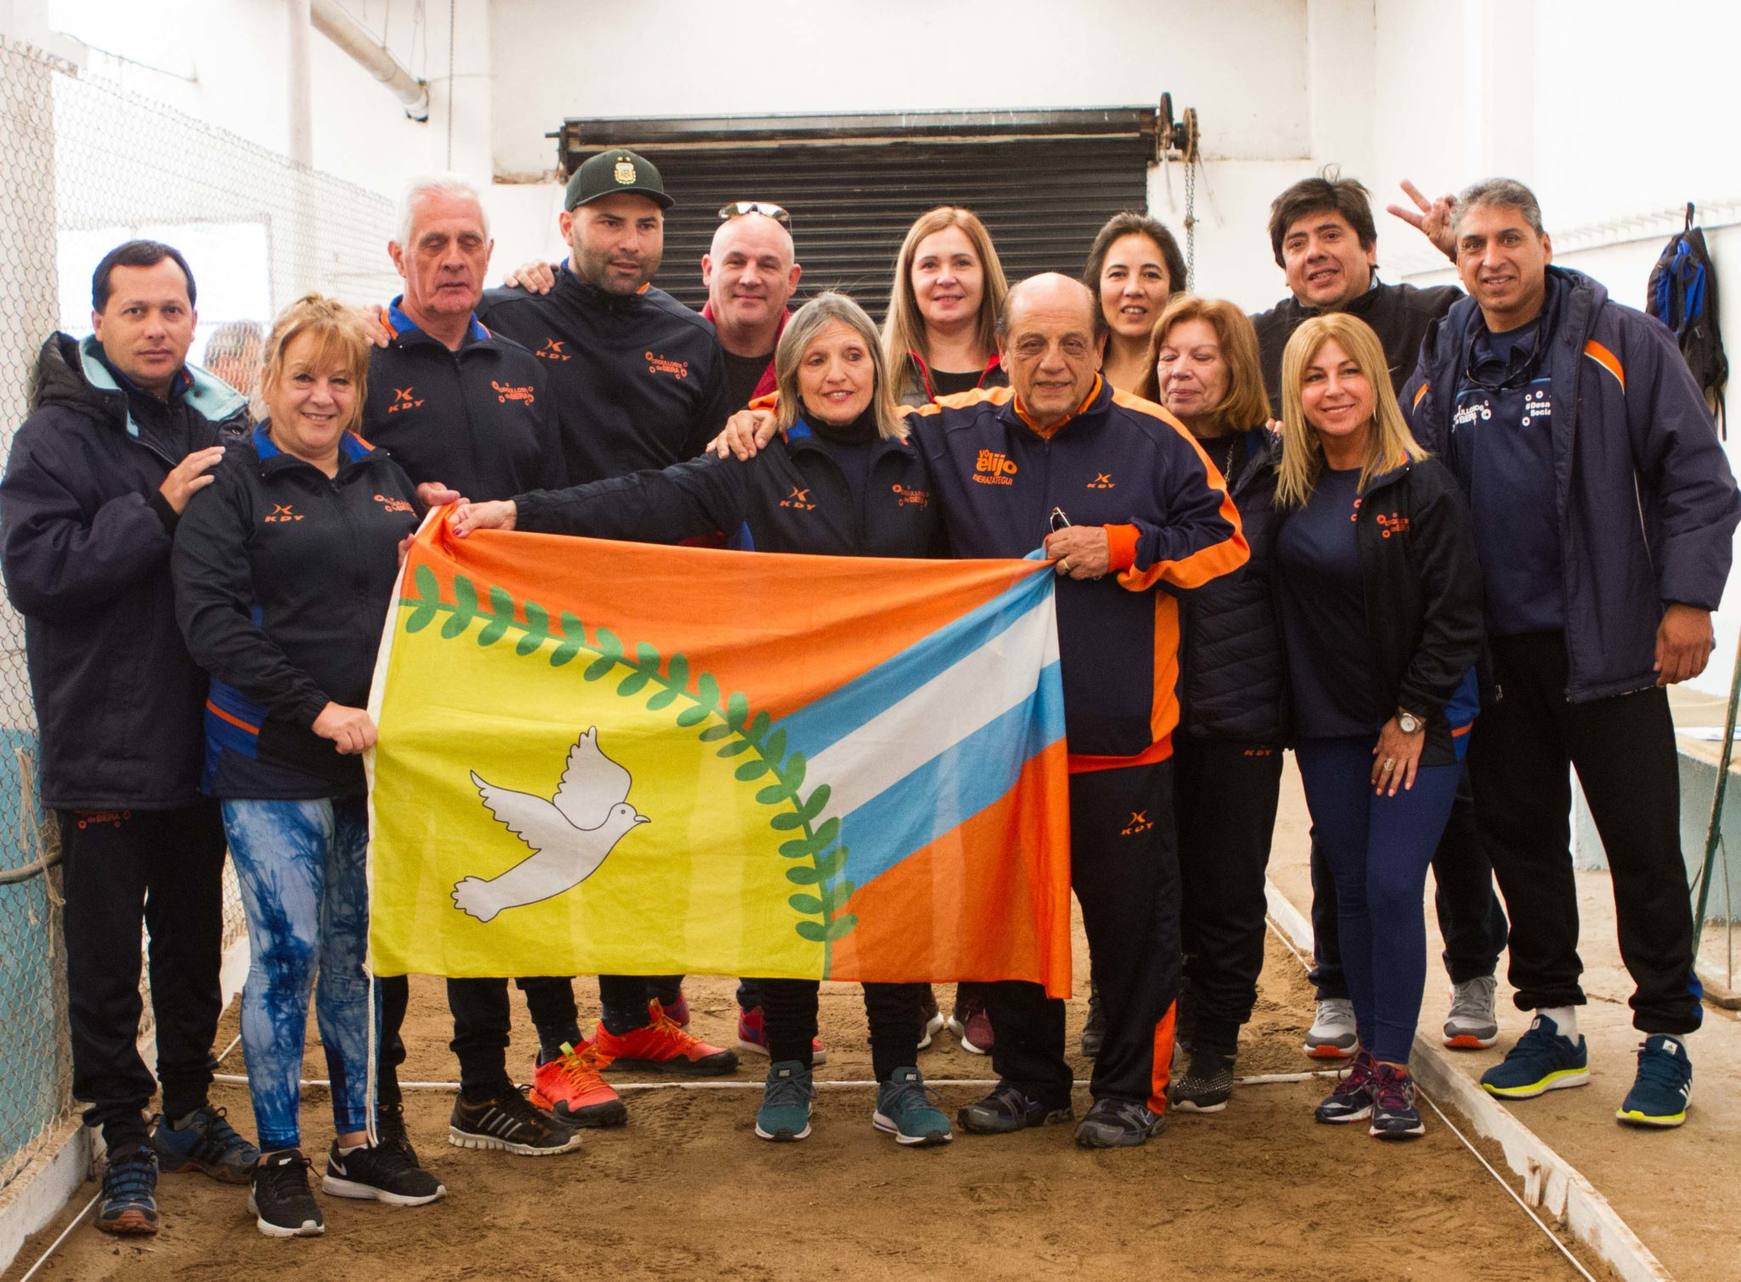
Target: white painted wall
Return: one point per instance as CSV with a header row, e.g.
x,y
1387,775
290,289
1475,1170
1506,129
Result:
x,y
224,62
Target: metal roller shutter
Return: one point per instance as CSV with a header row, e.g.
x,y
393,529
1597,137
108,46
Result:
x,y
1042,198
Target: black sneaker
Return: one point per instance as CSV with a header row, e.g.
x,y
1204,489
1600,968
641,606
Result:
x,y
508,1121
1009,1108
1094,1031
380,1174
1206,1084
129,1191
280,1200
1119,1123
390,1132
205,1141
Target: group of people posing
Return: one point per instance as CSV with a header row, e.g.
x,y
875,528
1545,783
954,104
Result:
x,y
1440,601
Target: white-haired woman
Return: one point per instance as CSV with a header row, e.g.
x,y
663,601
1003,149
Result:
x,y
1380,610
845,449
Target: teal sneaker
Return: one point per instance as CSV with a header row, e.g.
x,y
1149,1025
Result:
x,y
1663,1090
904,1110
1542,1061
785,1112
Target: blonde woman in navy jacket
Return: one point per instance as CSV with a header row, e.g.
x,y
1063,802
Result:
x,y
1380,608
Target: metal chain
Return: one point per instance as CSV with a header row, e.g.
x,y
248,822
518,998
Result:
x,y
1190,224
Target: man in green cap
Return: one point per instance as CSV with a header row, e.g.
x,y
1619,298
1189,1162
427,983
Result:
x,y
637,381
637,378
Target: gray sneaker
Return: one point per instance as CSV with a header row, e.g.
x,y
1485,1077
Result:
x,y
1472,1023
1333,1034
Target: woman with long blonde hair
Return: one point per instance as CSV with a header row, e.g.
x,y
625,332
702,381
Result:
x,y
1380,611
948,288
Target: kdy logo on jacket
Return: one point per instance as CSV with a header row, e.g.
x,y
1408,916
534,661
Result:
x,y
280,513
404,398
552,350
992,468
798,499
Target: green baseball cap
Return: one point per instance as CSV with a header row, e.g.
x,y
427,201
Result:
x,y
612,170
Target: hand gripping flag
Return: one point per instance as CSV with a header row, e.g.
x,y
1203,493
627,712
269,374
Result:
x,y
634,759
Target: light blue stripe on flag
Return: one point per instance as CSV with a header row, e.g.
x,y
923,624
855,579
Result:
x,y
814,727
953,786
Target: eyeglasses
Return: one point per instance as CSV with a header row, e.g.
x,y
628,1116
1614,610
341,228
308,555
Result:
x,y
738,208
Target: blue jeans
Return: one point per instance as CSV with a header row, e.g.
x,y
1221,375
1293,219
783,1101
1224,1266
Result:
x,y
1378,849
300,865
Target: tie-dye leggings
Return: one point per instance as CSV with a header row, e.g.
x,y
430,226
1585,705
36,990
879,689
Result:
x,y
300,866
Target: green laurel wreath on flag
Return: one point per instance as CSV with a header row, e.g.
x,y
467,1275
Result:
x,y
816,855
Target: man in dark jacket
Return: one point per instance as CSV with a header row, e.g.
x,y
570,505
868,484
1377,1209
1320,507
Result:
x,y
121,434
1131,504
637,377
467,411
637,381
1322,233
1324,239
1604,508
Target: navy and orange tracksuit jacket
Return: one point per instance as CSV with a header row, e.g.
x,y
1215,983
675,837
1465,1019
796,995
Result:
x,y
1118,461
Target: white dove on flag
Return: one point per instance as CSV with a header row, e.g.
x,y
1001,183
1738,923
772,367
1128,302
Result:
x,y
570,834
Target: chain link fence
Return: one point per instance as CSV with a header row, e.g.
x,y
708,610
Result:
x,y
87,166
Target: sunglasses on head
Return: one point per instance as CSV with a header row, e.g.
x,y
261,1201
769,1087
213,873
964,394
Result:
x,y
738,208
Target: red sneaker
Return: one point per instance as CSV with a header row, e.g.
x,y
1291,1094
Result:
x,y
971,1022
752,1037
570,1087
661,1047
678,1011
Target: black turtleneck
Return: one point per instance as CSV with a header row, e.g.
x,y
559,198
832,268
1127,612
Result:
x,y
852,446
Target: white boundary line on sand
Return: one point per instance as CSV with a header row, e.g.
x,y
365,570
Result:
x,y
1550,1183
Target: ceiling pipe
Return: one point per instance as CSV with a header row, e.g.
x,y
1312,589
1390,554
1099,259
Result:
x,y
347,33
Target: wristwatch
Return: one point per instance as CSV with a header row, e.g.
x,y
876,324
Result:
x,y
1408,722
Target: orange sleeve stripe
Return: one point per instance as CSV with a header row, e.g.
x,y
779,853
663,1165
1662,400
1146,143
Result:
x,y
1202,565
231,717
1420,392
1205,563
1607,360
961,400
1121,545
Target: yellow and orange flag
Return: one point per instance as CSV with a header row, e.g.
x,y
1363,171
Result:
x,y
635,759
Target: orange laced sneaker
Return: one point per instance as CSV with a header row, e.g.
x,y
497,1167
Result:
x,y
661,1047
570,1087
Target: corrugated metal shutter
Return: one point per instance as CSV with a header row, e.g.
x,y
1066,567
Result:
x,y
851,203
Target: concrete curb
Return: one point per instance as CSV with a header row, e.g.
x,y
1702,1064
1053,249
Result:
x,y
1551,1184
47,1183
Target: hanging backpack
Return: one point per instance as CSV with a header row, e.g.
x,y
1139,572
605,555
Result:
x,y
1683,295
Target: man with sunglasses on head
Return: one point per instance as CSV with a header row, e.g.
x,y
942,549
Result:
x,y
751,272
